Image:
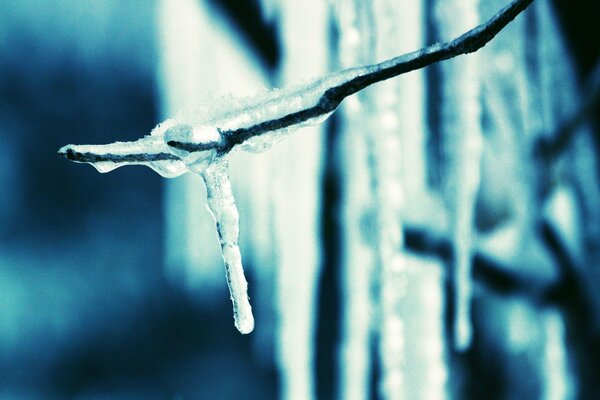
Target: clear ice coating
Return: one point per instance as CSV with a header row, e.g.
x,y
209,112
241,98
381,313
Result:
x,y
197,141
222,206
152,151
108,157
295,188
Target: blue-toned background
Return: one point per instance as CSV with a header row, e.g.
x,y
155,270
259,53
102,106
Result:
x,y
105,291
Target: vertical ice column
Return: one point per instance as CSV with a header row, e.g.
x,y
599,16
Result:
x,y
295,185
558,381
411,344
460,126
357,250
199,57
383,139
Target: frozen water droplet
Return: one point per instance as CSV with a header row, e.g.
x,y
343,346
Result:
x,y
179,133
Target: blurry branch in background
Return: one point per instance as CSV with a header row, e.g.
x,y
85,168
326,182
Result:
x,y
501,278
341,86
549,148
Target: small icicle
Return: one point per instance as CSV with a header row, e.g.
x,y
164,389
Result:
x,y
460,126
224,211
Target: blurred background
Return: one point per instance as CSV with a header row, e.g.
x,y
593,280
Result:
x,y
438,237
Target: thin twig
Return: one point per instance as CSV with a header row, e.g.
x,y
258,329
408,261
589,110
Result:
x,y
487,270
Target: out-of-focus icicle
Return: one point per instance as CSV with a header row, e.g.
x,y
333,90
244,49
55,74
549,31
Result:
x,y
357,250
411,341
461,133
295,179
224,211
558,381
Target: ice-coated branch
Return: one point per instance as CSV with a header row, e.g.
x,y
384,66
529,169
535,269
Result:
x,y
258,122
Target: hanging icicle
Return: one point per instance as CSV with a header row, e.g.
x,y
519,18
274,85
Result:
x,y
385,133
558,380
460,127
211,59
222,206
358,248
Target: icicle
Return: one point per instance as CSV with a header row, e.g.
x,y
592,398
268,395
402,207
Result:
x,y
377,126
222,206
256,123
295,184
461,131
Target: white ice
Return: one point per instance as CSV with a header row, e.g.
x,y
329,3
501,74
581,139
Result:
x,y
146,145
461,130
356,201
222,206
559,383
